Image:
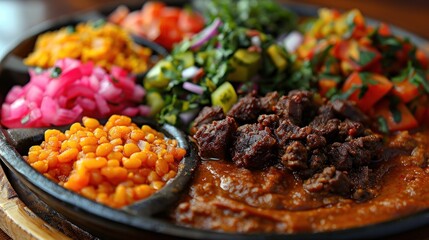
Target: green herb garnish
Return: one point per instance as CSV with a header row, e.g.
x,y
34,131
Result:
x,y
56,72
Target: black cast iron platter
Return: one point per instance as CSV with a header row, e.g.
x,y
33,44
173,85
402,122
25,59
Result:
x,y
109,223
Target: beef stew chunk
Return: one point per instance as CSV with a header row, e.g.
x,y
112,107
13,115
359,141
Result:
x,y
329,180
328,145
208,115
246,110
295,156
213,139
254,146
269,101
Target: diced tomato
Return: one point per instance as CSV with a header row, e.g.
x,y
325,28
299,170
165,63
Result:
x,y
360,57
402,54
191,21
325,85
344,49
360,28
171,13
405,90
132,22
169,33
375,68
376,88
151,11
422,58
160,23
421,112
384,30
406,119
119,15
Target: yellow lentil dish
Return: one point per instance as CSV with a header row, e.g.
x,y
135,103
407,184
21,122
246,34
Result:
x,y
104,44
115,164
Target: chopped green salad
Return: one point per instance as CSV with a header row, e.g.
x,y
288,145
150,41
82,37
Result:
x,y
214,68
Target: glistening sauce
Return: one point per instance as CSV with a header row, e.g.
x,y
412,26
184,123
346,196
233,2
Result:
x,y
227,198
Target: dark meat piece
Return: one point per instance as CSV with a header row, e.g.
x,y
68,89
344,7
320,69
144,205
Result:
x,y
357,152
300,108
288,131
348,110
271,121
325,113
330,180
246,110
280,107
295,156
315,141
328,129
269,102
318,160
254,146
215,138
349,128
362,181
208,115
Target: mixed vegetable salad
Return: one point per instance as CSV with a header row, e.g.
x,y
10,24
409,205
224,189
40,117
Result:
x,y
386,75
222,50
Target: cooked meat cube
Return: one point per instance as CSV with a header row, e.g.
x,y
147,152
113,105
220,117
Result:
x,y
328,146
208,115
318,160
271,121
300,107
246,110
280,107
295,156
348,110
330,180
349,128
360,177
341,155
357,152
372,144
288,131
254,146
325,113
315,141
214,138
328,129
362,181
269,102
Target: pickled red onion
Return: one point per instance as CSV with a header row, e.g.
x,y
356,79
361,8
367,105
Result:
x,y
81,89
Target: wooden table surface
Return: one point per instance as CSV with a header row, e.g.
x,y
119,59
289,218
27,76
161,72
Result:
x,y
17,16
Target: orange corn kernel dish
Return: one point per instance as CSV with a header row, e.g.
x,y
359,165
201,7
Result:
x,y
116,164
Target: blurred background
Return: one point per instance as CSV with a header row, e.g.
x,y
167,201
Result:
x,y
17,16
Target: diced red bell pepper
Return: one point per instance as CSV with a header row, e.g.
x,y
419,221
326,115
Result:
x,y
405,90
374,91
353,52
326,84
407,120
384,30
422,58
